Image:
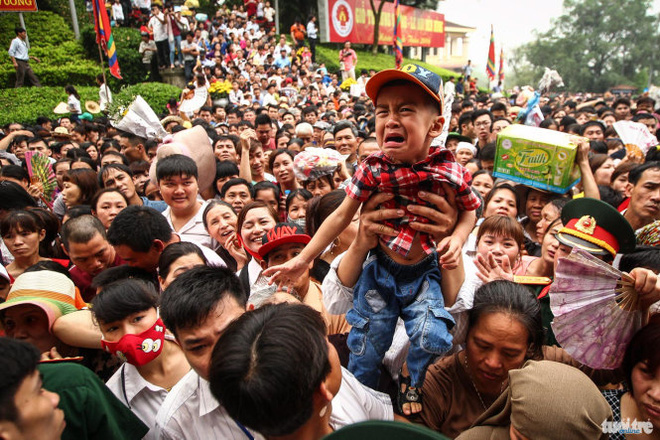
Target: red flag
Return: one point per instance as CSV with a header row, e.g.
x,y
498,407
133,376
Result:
x,y
490,66
104,36
398,41
501,72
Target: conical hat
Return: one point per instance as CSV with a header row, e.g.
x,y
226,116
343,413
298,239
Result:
x,y
92,107
61,108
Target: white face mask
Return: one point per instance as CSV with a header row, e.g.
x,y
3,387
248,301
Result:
x,y
299,221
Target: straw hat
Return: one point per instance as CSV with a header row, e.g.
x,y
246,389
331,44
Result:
x,y
92,107
52,292
60,132
61,108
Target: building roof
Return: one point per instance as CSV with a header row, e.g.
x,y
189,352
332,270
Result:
x,y
456,25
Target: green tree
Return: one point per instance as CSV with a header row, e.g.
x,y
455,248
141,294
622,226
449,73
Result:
x,y
597,44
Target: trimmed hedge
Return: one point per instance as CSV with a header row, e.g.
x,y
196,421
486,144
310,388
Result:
x,y
51,40
330,56
24,105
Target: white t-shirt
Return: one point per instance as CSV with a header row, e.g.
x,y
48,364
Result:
x,y
74,105
117,11
160,31
356,403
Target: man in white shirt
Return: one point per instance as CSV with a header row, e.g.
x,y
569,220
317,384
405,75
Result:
x,y
312,36
18,52
450,87
326,395
158,26
197,307
105,96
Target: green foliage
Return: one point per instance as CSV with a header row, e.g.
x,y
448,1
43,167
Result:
x,y
52,41
156,94
329,54
127,42
26,103
61,7
597,44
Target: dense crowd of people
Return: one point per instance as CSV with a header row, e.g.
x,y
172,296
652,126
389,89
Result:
x,y
306,256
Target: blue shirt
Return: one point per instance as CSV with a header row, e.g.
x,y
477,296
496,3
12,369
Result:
x,y
281,63
18,49
158,205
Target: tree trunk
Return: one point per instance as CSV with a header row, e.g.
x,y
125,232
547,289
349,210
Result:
x,y
377,14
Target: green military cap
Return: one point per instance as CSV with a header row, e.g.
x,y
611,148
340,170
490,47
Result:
x,y
596,227
384,430
460,137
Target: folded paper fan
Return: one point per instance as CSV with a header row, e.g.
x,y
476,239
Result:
x,y
596,310
636,137
40,170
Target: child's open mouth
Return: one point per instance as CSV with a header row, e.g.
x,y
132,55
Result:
x,y
394,138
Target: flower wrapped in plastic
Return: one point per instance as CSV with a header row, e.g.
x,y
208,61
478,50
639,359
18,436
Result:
x,y
314,163
139,119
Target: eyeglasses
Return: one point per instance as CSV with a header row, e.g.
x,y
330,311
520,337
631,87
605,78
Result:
x,y
482,124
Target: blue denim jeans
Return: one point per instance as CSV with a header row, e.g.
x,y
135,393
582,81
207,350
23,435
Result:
x,y
175,45
384,292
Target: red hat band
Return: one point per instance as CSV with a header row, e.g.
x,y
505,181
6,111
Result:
x,y
587,229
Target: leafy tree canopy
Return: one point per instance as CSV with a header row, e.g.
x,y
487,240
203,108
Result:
x,y
597,44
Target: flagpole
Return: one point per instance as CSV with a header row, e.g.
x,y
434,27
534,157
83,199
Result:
x,y
105,82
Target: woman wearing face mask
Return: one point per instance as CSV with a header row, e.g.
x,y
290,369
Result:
x,y
127,314
220,222
296,206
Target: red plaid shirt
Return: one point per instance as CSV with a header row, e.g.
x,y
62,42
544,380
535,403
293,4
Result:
x,y
379,173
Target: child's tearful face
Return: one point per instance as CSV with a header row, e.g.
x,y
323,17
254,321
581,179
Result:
x,y
406,122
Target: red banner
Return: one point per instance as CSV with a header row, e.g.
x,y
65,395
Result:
x,y
18,5
353,20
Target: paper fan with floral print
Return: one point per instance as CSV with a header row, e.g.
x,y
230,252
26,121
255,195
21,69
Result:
x,y
596,310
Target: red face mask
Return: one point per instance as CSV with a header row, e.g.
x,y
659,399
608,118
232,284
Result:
x,y
139,349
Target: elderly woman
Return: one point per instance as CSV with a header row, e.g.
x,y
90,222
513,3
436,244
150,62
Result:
x,y
504,331
545,397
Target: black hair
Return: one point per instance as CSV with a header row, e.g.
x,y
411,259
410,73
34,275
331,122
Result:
x,y
123,272
465,118
175,251
547,123
95,200
516,301
300,192
263,119
636,173
261,357
51,266
500,187
319,208
18,361
191,298
478,113
278,152
13,196
235,182
343,125
498,106
113,166
176,165
265,186
624,101
488,151
49,246
137,227
77,211
71,90
212,204
610,195
566,122
20,220
15,172
643,347
592,124
647,257
122,298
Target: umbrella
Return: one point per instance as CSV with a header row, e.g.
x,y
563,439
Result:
x,y
596,310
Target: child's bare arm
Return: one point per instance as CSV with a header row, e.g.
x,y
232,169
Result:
x,y
332,226
450,247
